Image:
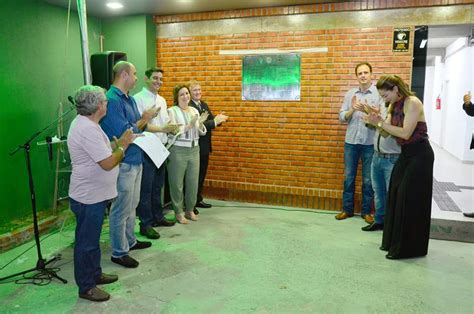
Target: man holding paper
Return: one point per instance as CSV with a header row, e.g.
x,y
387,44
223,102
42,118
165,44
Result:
x,y
150,207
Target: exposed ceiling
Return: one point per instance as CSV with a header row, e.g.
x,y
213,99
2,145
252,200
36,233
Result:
x,y
440,37
166,7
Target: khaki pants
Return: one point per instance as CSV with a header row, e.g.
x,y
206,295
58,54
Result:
x,y
183,166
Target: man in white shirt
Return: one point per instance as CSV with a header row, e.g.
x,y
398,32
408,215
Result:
x,y
150,207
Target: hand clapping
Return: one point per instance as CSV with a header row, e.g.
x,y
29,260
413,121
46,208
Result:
x,y
356,104
373,118
126,139
151,113
221,117
171,128
467,98
193,121
203,117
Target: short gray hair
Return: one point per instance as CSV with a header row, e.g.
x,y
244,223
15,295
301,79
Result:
x,y
87,99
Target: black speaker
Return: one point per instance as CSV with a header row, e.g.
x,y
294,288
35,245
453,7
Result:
x,y
102,65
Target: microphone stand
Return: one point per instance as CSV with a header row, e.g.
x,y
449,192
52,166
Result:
x,y
41,262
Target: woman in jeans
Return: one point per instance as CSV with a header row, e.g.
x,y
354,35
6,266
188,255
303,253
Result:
x,y
93,184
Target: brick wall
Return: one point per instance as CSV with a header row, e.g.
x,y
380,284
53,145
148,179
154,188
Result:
x,y
284,153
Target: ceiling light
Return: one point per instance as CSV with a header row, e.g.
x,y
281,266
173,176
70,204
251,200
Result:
x,y
423,43
114,5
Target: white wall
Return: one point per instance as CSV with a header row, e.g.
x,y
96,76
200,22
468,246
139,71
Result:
x,y
433,89
450,127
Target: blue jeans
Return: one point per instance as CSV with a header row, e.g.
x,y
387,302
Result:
x,y
382,166
150,207
89,219
352,154
122,213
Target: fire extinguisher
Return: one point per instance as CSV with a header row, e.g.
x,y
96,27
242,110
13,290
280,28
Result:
x,y
438,103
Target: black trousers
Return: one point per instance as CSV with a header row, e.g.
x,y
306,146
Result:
x,y
408,216
203,164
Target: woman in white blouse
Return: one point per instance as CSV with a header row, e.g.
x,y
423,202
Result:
x,y
183,162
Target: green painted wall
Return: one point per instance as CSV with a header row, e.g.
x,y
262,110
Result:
x,y
151,48
136,36
36,76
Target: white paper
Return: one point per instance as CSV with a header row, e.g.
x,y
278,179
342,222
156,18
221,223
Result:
x,y
153,147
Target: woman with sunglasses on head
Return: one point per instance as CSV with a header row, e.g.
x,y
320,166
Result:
x,y
407,221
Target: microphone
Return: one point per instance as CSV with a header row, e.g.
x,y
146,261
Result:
x,y
50,147
71,100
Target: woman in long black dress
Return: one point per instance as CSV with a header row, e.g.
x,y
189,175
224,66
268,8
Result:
x,y
407,221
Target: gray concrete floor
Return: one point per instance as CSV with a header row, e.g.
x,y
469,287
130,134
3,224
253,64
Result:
x,y
247,258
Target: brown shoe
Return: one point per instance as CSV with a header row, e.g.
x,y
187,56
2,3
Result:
x,y
343,215
105,279
95,295
368,219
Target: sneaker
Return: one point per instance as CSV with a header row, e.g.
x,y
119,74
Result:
x,y
150,233
95,294
125,261
106,279
141,245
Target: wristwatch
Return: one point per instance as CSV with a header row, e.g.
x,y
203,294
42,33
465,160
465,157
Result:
x,y
380,124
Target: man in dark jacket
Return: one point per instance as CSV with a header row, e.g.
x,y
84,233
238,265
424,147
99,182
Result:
x,y
205,142
469,108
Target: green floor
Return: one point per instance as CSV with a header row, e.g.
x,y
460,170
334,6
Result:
x,y
246,258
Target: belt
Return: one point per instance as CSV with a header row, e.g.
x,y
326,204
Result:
x,y
192,143
383,155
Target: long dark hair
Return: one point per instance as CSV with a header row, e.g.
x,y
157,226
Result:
x,y
388,82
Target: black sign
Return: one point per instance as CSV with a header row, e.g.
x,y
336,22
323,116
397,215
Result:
x,y
401,39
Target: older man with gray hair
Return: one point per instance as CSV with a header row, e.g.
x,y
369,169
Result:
x,y
93,184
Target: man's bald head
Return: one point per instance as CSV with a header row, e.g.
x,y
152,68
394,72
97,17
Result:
x,y
124,75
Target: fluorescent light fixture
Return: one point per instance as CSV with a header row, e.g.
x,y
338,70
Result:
x,y
114,5
423,43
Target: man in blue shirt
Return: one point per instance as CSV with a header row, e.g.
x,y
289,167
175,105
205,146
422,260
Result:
x,y
359,142
122,114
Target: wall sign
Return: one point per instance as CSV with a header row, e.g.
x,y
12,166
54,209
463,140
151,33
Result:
x,y
401,39
271,77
